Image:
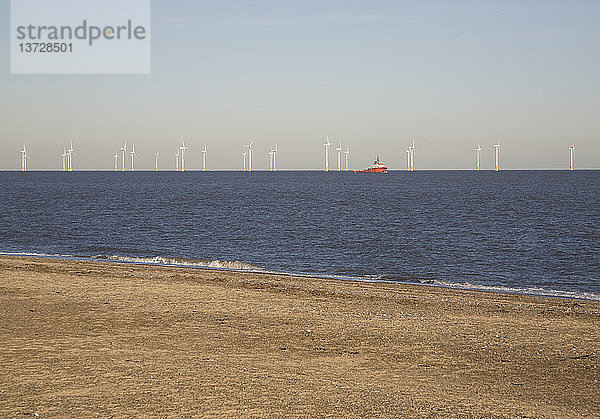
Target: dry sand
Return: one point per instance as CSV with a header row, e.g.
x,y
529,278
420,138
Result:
x,y
106,339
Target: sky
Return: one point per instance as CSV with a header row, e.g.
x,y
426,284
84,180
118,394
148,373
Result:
x,y
372,74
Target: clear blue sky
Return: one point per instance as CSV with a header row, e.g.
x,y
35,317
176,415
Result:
x,y
374,74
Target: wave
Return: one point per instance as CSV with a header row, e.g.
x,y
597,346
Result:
x,y
536,291
199,263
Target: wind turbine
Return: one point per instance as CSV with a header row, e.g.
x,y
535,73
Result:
x,y
347,152
327,145
156,161
408,151
412,156
123,151
249,147
497,155
24,158
478,151
183,148
571,160
271,160
70,152
204,159
116,157
132,152
244,154
275,150
339,156
64,159
177,161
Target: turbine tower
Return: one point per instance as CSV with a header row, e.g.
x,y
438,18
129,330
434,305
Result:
x,y
177,161
327,145
249,147
571,160
123,151
275,150
132,152
347,152
244,154
339,156
204,159
497,155
183,148
116,157
64,159
271,160
477,154
408,151
156,161
70,153
24,158
412,156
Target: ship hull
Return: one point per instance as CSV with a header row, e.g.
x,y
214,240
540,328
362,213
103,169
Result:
x,y
376,170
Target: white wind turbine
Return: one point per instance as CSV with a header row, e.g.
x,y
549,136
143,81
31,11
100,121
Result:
x,y
204,159
249,147
408,151
24,158
70,153
177,161
571,157
183,148
347,152
244,154
156,161
132,153
275,150
412,156
271,160
478,152
64,159
339,157
123,151
327,145
116,157
497,156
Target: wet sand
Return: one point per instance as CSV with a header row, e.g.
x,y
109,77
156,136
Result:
x,y
107,339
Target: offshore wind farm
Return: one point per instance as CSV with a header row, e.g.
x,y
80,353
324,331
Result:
x,y
67,158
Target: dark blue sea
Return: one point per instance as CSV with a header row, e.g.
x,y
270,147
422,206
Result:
x,y
533,232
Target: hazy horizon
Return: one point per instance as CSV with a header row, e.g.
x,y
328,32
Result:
x,y
374,75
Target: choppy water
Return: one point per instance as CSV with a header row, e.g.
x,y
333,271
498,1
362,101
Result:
x,y
522,231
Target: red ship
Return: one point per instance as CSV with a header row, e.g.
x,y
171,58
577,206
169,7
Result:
x,y
376,167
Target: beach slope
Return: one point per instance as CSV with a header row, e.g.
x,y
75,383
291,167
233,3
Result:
x,y
95,338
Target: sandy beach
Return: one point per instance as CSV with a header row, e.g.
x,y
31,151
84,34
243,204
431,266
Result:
x,y
107,339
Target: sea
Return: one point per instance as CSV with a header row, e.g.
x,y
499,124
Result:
x,y
524,232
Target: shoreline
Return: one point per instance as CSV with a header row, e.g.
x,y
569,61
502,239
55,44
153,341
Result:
x,y
122,339
205,264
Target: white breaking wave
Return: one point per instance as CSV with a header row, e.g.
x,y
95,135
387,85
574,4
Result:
x,y
199,263
519,290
